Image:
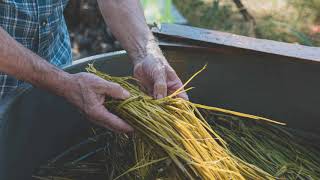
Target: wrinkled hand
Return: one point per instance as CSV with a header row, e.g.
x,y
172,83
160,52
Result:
x,y
88,93
157,76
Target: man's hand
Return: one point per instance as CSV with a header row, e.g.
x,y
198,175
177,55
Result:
x,y
157,76
84,90
126,20
88,93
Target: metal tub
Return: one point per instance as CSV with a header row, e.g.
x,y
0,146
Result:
x,y
36,125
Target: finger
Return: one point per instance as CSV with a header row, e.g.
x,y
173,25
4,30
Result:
x,y
116,91
175,83
145,83
145,86
174,87
160,84
103,117
183,95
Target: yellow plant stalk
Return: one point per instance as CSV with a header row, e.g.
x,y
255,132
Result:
x,y
176,131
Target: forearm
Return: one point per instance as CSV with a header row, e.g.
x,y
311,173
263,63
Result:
x,y
126,20
25,65
84,90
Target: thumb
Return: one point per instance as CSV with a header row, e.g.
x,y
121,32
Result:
x,y
160,85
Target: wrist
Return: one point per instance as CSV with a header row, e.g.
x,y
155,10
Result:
x,y
150,51
62,85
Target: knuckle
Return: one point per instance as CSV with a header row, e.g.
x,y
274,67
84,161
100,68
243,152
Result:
x,y
171,71
159,76
160,85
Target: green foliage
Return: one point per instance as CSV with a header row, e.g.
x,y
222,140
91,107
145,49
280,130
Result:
x,y
309,5
291,23
158,10
269,28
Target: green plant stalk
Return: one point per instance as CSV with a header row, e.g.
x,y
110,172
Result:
x,y
175,142
177,128
270,147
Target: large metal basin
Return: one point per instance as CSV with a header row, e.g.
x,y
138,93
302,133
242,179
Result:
x,y
36,125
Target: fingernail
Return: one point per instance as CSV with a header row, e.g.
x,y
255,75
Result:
x,y
186,97
159,96
125,94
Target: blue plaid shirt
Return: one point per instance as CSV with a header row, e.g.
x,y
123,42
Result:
x,y
38,25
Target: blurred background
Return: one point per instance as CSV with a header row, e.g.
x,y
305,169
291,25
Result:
x,y
293,21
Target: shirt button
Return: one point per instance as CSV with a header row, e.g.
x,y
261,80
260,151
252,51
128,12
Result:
x,y
44,23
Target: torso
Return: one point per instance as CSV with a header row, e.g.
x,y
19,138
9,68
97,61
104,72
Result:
x,y
38,25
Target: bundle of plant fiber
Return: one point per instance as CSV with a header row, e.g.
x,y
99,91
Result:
x,y
278,150
173,132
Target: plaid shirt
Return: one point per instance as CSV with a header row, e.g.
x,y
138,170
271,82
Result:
x,y
38,25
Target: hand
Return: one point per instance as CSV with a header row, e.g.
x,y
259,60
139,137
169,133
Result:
x,y
88,93
157,76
